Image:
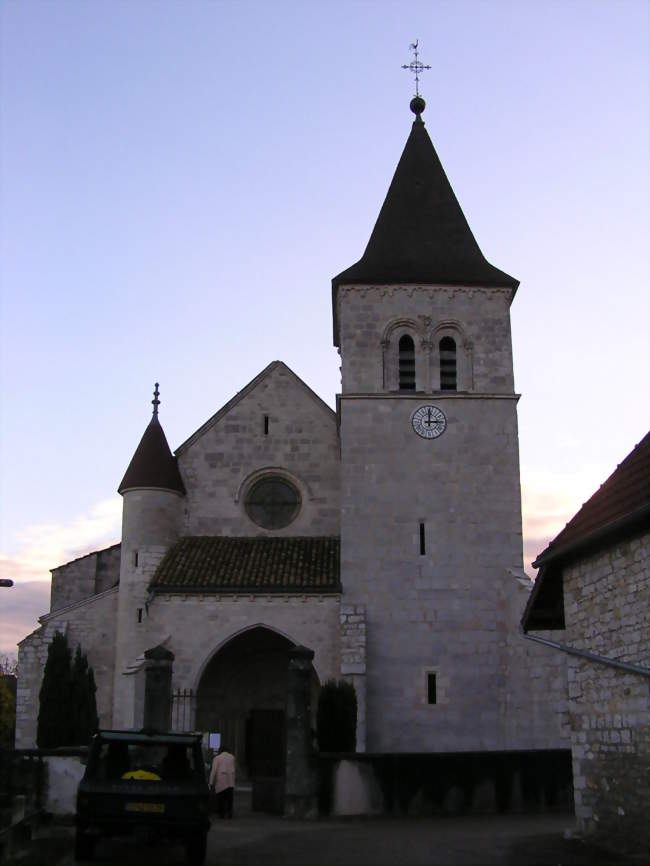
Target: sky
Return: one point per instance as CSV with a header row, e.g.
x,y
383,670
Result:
x,y
179,182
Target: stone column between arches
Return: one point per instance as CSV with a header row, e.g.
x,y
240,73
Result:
x,y
353,661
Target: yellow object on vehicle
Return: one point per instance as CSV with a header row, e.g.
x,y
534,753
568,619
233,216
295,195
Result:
x,y
145,775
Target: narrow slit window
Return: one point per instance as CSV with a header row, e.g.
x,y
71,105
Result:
x,y
423,545
139,614
135,558
431,688
406,363
448,364
266,425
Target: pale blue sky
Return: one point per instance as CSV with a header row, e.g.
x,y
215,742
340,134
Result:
x,y
181,180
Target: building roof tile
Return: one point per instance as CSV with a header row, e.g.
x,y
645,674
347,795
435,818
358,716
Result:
x,y
621,497
421,234
618,509
244,565
153,464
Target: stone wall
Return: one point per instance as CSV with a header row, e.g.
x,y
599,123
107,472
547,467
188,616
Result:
x,y
194,627
220,462
607,599
86,576
446,611
477,318
353,661
90,623
534,698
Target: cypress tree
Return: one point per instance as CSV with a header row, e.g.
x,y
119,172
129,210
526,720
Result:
x,y
83,708
54,710
68,709
93,718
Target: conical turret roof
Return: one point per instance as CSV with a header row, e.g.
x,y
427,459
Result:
x,y
421,234
153,464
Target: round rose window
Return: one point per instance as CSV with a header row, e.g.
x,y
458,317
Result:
x,y
272,502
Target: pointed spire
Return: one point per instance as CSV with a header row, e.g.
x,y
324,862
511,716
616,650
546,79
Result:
x,y
421,235
153,465
155,401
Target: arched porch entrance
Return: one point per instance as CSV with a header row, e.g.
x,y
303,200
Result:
x,y
242,695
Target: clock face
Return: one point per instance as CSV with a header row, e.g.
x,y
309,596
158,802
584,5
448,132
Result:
x,y
429,422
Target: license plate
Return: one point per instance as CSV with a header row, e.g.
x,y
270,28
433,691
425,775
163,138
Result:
x,y
145,807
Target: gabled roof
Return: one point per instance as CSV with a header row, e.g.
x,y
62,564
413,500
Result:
x,y
618,509
246,565
153,464
247,389
421,234
621,500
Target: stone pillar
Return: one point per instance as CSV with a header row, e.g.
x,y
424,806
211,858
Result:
x,y
353,661
158,688
300,782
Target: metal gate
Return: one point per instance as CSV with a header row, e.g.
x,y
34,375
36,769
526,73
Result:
x,y
183,710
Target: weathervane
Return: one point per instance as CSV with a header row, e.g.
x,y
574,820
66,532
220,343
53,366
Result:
x,y
156,401
415,66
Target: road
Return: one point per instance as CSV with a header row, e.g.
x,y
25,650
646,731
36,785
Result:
x,y
254,840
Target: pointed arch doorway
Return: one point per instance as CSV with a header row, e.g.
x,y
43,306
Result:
x,y
242,695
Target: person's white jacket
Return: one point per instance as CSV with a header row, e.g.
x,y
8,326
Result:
x,y
222,774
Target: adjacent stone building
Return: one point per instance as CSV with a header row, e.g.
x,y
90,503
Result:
x,y
384,536
594,585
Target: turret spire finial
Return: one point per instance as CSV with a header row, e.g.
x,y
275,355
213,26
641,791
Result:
x,y
416,67
156,401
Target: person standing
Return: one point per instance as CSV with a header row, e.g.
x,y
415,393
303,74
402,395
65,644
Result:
x,y
222,780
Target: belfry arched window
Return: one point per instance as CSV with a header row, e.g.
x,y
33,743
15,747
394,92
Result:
x,y
406,363
448,374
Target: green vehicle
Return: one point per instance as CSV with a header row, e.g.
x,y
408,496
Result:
x,y
143,783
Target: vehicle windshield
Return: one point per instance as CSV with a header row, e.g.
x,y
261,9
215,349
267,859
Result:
x,y
144,762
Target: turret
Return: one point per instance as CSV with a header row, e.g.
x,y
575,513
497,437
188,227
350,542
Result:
x,y
152,513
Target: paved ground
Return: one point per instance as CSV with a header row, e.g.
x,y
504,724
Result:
x,y
253,840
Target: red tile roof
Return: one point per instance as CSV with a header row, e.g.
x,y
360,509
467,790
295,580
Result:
x,y
619,507
625,493
246,565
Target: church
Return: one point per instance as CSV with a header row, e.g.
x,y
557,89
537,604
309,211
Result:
x,y
385,536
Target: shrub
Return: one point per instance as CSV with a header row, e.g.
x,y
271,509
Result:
x,y
7,713
336,717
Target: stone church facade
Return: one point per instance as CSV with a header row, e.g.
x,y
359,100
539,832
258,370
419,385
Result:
x,y
384,536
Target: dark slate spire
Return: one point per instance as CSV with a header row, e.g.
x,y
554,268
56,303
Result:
x,y
421,234
153,464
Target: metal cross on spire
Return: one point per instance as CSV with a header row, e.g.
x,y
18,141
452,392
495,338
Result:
x,y
156,401
415,66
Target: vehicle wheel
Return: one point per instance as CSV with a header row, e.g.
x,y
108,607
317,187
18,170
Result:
x,y
196,847
84,846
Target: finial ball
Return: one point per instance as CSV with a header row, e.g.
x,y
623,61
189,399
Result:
x,y
417,105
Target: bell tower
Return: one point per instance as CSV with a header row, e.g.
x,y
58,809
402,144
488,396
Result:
x,y
431,513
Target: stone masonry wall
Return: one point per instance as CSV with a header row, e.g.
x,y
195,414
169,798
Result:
x,y
534,700
83,577
353,661
607,608
90,623
301,442
449,609
482,315
194,627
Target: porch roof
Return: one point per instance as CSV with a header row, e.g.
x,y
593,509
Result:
x,y
262,564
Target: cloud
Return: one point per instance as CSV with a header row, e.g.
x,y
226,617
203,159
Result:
x,y
39,548
548,502
20,608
